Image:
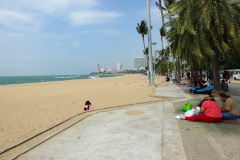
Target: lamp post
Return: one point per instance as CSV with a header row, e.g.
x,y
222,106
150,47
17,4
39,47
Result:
x,y
154,60
150,44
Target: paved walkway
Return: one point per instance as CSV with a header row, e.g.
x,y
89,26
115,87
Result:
x,y
147,132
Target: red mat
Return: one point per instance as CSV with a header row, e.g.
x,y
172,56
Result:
x,y
232,121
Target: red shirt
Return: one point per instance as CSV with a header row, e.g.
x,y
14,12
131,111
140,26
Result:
x,y
212,109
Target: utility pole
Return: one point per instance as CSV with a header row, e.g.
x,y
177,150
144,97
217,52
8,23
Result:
x,y
150,45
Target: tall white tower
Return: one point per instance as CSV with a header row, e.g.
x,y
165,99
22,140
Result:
x,y
119,66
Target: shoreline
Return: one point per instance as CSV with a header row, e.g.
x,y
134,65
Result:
x,y
12,80
29,108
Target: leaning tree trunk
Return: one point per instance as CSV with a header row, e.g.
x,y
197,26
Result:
x,y
215,68
200,75
178,68
168,67
165,30
143,43
144,51
192,70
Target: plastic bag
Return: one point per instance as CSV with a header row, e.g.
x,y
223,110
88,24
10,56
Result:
x,y
187,107
192,112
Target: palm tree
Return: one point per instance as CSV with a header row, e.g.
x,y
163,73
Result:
x,y
182,34
162,34
209,28
145,52
143,30
162,52
164,28
220,24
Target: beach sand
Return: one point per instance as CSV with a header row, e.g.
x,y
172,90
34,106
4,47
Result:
x,y
30,108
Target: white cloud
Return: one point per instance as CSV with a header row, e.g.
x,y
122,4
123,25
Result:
x,y
12,18
34,14
6,34
48,6
92,16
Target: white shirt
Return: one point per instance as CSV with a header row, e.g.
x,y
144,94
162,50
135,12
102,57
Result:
x,y
207,84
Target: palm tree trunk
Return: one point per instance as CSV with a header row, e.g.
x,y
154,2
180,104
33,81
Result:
x,y
192,70
215,68
179,74
200,75
143,43
170,49
168,67
145,50
165,57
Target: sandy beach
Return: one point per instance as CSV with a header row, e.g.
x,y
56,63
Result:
x,y
31,108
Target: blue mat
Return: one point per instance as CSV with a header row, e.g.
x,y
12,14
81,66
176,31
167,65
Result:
x,y
202,91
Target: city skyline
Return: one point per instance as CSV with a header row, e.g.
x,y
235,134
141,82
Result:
x,y
119,67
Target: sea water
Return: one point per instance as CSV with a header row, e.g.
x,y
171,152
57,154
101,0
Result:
x,y
36,79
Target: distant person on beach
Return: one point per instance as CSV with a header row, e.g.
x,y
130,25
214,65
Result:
x,y
225,75
188,75
203,75
167,79
229,76
229,108
195,79
88,106
206,84
182,84
200,85
224,86
210,112
210,76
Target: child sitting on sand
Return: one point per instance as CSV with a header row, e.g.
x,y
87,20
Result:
x,y
88,106
167,79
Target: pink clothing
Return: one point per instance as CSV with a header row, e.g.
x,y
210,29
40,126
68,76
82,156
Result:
x,y
89,107
212,109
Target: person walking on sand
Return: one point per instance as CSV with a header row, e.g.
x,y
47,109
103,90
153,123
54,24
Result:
x,y
229,108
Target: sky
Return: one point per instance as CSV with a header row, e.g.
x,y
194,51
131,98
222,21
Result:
x,y
70,37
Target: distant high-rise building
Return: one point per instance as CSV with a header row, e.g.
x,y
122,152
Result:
x,y
100,68
139,62
119,66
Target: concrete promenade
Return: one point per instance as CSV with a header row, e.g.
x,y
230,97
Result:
x,y
147,131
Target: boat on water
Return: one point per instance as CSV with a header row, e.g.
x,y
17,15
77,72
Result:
x,y
94,77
